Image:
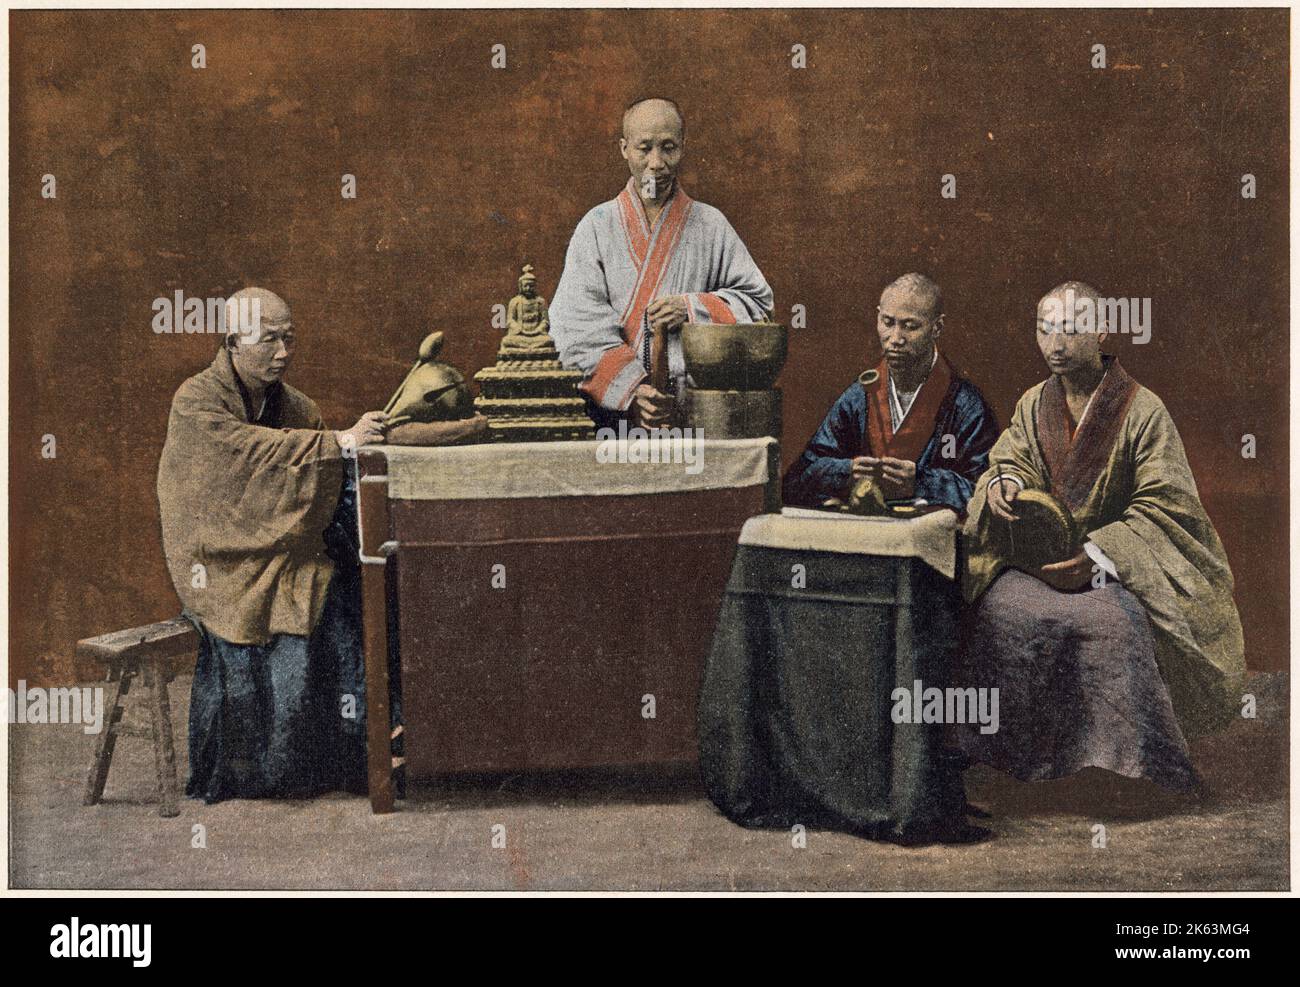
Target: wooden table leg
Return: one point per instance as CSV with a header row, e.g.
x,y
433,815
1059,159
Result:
x,y
372,517
379,764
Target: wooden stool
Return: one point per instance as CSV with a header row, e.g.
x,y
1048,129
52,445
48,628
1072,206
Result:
x,y
154,650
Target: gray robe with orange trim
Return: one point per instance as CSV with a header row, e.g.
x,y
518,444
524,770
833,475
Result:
x,y
1126,479
617,265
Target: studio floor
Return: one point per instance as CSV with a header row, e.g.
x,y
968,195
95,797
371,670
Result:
x,y
644,831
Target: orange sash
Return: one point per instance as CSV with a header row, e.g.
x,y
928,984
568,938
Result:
x,y
651,252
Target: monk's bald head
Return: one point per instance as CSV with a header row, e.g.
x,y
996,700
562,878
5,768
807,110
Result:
x,y
919,287
1066,296
653,114
909,320
654,138
248,309
259,336
1070,328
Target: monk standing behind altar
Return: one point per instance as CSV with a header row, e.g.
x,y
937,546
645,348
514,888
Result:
x,y
650,259
1114,657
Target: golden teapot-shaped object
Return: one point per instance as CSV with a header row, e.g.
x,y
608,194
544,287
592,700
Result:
x,y
866,497
432,392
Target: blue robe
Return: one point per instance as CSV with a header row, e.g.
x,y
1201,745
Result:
x,y
269,721
824,470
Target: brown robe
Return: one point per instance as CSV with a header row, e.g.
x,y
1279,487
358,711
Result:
x,y
1126,479
249,504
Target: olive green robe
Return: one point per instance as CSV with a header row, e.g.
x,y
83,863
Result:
x,y
248,504
1134,496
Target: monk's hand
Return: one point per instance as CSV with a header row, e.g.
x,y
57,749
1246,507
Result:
x,y
368,430
1067,575
651,408
897,478
1002,496
446,433
865,467
667,313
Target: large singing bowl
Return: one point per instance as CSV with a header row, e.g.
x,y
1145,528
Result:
x,y
738,357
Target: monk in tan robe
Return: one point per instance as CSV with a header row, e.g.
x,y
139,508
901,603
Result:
x,y
259,533
1113,657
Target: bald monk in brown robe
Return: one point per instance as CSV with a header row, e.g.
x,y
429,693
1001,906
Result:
x,y
1114,657
260,547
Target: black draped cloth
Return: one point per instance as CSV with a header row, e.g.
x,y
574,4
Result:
x,y
795,722
269,721
1078,684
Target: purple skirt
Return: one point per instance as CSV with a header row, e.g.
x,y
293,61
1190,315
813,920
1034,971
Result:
x,y
1078,685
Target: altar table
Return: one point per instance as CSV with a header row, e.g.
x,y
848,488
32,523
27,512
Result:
x,y
551,610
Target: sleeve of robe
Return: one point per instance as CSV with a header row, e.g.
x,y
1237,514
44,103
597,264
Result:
x,y
586,328
293,481
251,504
825,468
975,431
741,294
1013,453
1167,553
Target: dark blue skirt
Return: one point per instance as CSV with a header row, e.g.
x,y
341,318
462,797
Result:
x,y
288,719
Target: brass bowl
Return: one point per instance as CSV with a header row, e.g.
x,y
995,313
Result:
x,y
742,357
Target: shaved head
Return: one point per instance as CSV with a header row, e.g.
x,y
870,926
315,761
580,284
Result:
x,y
652,113
908,320
921,286
1071,306
1071,289
1069,332
259,336
654,138
248,308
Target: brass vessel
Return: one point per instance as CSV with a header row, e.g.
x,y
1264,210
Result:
x,y
740,357
866,496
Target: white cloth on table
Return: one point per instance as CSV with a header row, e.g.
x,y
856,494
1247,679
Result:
x,y
932,537
571,469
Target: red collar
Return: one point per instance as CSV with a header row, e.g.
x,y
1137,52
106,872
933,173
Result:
x,y
917,428
1075,459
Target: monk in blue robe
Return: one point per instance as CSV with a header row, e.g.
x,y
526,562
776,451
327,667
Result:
x,y
921,431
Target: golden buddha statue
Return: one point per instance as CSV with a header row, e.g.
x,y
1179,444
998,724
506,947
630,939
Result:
x,y
527,325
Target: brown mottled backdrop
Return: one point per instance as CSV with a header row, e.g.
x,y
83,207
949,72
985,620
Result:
x,y
207,180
